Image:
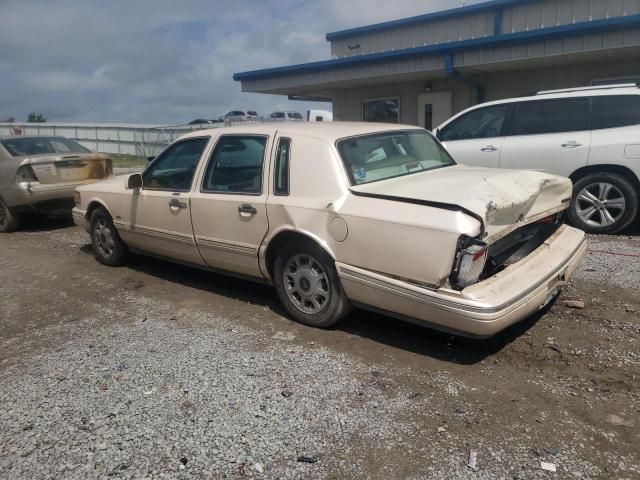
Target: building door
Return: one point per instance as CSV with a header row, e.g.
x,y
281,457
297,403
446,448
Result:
x,y
434,108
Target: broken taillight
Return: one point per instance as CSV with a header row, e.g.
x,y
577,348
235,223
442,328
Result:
x,y
25,174
553,218
470,266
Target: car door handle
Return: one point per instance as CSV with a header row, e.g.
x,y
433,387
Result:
x,y
488,148
571,144
247,209
175,203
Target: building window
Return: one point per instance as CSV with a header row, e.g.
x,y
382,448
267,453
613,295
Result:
x,y
384,110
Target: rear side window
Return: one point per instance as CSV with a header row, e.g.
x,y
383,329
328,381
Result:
x,y
615,111
283,156
480,123
236,165
551,116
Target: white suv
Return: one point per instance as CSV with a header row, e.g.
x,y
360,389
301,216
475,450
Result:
x,y
591,135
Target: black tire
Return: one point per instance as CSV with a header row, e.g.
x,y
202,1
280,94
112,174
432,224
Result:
x,y
109,248
9,221
333,308
603,219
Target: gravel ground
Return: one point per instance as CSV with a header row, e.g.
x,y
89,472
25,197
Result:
x,y
160,371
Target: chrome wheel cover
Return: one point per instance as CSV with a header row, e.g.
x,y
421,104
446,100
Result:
x,y
600,204
104,239
306,283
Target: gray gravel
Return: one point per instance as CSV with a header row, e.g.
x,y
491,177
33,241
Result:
x,y
619,257
173,373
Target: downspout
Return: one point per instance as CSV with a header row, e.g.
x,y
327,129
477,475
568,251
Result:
x,y
453,73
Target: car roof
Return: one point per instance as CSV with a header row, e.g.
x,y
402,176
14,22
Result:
x,y
328,131
603,90
9,137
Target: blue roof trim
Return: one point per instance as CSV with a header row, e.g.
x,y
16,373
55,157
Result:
x,y
595,26
403,22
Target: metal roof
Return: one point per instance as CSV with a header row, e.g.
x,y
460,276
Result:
x,y
581,28
403,22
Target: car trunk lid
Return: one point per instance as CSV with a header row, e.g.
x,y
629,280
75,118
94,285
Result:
x,y
503,199
55,168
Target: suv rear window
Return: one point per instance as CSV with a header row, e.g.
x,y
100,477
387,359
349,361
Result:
x,y
613,111
551,116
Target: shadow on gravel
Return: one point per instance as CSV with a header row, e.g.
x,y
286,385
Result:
x,y
230,287
433,343
46,221
375,327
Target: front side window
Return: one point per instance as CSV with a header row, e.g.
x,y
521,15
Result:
x,y
381,156
383,110
235,165
615,111
283,155
551,116
174,168
295,115
277,115
484,122
21,146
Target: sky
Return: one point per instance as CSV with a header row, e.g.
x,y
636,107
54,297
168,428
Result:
x,y
163,61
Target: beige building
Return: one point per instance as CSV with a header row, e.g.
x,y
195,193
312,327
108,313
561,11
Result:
x,y
420,70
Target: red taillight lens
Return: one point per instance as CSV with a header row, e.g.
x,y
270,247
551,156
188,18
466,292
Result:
x,y
25,174
553,218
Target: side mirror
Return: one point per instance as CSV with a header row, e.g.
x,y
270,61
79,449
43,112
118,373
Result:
x,y
436,133
151,158
134,181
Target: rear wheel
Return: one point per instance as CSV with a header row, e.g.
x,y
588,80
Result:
x,y
108,246
603,203
308,285
8,220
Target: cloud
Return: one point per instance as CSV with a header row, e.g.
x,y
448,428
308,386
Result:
x,y
160,61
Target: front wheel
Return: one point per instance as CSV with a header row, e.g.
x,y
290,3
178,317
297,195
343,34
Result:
x,y
603,203
108,246
308,285
8,219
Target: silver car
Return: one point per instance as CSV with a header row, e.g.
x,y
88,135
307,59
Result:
x,y
43,172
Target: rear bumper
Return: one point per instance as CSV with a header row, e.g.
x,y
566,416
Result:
x,y
33,193
80,218
483,309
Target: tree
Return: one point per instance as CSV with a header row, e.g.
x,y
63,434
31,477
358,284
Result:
x,y
36,118
9,120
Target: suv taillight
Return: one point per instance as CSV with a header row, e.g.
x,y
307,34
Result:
x,y
470,265
25,174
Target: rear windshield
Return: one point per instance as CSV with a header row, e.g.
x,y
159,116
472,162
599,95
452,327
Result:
x,y
381,156
21,146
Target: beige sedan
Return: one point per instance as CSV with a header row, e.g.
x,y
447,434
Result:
x,y
40,172
338,215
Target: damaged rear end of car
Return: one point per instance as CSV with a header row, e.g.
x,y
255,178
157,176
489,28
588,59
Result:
x,y
509,258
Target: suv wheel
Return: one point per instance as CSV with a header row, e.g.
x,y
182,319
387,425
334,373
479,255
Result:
x,y
308,285
603,203
8,220
108,246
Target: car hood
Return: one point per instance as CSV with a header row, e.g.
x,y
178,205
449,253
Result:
x,y
503,199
